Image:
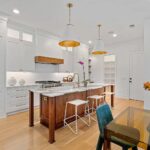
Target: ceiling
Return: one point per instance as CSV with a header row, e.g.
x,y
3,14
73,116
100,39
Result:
x,y
114,15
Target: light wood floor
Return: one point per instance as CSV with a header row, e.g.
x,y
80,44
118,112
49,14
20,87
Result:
x,y
16,135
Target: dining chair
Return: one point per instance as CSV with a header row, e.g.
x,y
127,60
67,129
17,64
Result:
x,y
104,117
148,129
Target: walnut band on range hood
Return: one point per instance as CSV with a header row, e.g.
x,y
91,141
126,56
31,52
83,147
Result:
x,y
48,60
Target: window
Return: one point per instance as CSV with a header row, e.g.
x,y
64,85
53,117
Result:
x,y
13,33
27,37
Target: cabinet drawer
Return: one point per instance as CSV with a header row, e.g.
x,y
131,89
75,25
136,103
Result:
x,y
21,101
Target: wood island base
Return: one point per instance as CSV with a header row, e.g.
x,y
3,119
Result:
x,y
52,108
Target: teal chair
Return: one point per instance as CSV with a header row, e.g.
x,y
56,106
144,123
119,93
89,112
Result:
x,y
104,117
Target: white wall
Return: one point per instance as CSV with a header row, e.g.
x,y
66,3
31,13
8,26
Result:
x,y
122,52
80,54
147,62
97,70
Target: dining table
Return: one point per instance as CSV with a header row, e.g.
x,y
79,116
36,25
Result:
x,y
131,125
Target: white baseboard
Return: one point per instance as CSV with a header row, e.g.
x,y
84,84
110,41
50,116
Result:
x,y
3,116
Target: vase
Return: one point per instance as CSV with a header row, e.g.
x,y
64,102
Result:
x,y
85,83
12,81
22,82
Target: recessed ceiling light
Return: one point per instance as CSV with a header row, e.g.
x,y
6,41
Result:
x,y
16,11
115,35
90,42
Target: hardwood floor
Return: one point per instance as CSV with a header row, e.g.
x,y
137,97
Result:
x,y
16,135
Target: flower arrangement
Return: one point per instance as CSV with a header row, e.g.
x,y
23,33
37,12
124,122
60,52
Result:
x,y
82,63
147,86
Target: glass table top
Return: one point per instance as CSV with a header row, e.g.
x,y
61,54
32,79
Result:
x,y
132,124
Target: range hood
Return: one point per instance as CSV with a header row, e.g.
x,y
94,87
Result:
x,y
48,60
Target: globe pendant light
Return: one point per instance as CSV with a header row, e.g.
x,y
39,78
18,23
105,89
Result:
x,y
99,45
69,39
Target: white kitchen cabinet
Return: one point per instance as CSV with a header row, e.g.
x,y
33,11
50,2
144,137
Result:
x,y
68,62
18,98
28,55
3,23
14,55
20,52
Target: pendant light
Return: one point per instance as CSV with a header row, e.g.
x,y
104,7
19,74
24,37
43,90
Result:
x,y
99,45
69,39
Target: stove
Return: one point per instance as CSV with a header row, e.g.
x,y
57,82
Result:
x,y
49,84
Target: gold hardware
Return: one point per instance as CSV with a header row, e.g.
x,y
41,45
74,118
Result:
x,y
45,98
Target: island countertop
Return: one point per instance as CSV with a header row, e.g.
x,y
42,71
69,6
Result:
x,y
58,91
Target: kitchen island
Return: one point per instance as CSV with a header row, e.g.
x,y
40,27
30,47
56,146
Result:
x,y
53,102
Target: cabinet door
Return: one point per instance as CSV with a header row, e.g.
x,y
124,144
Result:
x,y
2,75
28,54
2,27
14,55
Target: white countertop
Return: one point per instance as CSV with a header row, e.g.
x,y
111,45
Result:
x,y
58,91
17,85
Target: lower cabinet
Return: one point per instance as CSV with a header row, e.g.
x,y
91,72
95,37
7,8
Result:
x,y
18,98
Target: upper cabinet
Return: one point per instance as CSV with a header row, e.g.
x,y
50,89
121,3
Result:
x,y
3,25
20,49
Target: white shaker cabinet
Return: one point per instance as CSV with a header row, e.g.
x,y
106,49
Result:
x,y
3,24
28,55
18,98
20,51
14,58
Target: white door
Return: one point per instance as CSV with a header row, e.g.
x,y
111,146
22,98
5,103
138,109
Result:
x,y
136,90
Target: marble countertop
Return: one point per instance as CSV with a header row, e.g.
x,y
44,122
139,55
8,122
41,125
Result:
x,y
58,91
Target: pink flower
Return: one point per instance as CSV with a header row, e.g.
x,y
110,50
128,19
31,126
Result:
x,y
81,62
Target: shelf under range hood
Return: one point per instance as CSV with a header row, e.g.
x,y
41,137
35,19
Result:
x,y
48,60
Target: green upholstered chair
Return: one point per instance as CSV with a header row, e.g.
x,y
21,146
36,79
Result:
x,y
104,117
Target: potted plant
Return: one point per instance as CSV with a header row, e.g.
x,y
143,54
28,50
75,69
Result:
x,y
85,81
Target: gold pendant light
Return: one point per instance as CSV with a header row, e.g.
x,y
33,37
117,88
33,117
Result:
x,y
69,39
99,45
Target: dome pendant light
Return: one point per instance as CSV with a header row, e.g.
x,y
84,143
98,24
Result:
x,y
69,39
99,45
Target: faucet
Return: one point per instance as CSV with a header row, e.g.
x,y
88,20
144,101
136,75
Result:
x,y
76,74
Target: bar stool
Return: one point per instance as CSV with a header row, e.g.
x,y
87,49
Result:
x,y
77,103
96,99
108,94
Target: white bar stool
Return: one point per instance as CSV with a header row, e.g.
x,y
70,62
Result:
x,y
108,93
95,99
77,103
